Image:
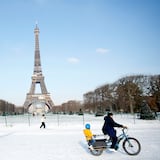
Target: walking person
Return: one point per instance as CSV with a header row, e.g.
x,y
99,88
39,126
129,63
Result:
x,y
43,119
108,128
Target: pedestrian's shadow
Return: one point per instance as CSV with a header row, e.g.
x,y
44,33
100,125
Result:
x,y
7,134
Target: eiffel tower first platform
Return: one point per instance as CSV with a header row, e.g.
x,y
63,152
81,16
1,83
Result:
x,y
38,102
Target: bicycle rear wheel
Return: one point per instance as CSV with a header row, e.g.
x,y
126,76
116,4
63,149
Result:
x,y
131,146
96,152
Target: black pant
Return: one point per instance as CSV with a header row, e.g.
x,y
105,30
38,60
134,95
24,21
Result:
x,y
114,141
112,134
43,125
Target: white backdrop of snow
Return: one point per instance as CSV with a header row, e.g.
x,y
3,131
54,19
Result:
x,y
22,139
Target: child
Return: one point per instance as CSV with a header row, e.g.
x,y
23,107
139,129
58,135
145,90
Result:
x,y
89,136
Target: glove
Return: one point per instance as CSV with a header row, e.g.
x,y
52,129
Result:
x,y
94,136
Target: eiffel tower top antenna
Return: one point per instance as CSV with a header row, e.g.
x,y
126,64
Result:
x,y
36,22
37,60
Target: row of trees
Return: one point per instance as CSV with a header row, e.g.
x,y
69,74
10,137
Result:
x,y
69,107
6,107
125,95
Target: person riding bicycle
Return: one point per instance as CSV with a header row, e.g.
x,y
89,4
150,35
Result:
x,y
89,136
108,128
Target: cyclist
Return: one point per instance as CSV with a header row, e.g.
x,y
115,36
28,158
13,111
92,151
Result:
x,y
108,128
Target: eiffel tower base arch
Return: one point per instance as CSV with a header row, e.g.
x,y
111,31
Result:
x,y
38,103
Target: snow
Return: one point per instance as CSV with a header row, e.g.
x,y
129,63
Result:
x,y
22,139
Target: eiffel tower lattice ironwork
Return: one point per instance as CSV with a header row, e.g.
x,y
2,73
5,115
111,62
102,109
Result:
x,y
32,98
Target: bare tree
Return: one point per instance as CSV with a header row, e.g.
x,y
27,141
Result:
x,y
126,94
89,101
155,92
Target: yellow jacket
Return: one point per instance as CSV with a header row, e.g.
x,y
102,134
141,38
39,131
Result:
x,y
88,134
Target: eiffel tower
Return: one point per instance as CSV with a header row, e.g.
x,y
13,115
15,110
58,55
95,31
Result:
x,y
38,102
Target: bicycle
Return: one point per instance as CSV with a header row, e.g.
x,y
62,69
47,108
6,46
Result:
x,y
130,144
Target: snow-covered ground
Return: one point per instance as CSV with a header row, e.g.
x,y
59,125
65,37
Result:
x,y
63,139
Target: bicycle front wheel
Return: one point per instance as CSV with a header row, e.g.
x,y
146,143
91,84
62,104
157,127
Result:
x,y
131,146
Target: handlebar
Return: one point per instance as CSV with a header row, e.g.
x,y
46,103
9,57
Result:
x,y
124,129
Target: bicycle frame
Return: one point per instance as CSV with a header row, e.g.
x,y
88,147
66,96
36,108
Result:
x,y
124,136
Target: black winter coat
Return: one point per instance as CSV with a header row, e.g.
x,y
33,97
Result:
x,y
108,127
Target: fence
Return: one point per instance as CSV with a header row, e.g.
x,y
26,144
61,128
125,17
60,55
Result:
x,y
63,120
